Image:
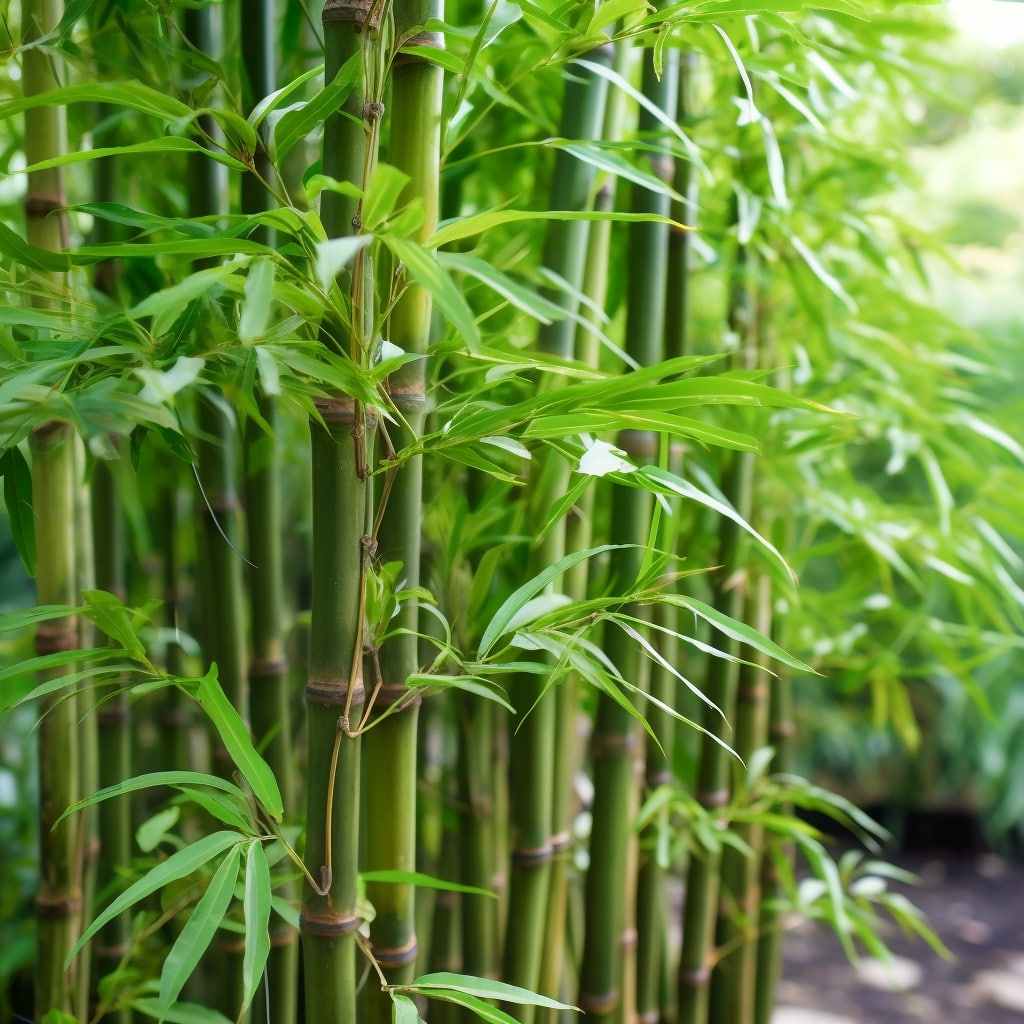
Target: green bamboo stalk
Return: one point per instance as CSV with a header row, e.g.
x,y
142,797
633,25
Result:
x,y
535,820
781,735
113,718
608,979
269,673
742,872
218,526
390,745
340,435
52,445
713,773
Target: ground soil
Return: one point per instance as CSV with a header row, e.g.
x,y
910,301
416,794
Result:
x,y
975,902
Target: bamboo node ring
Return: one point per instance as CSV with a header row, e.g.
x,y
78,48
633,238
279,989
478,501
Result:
x,y
393,957
328,925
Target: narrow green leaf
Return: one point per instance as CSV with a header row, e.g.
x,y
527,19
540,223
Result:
x,y
180,1013
256,906
199,929
18,500
540,308
485,988
498,625
403,1009
14,247
235,736
170,144
739,631
178,865
424,268
476,224
148,781
10,621
259,296
423,881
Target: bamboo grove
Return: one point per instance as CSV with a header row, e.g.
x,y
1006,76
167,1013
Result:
x,y
417,421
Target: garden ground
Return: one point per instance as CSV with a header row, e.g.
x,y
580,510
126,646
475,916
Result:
x,y
975,903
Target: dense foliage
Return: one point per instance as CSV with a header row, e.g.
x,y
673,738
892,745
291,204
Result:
x,y
471,460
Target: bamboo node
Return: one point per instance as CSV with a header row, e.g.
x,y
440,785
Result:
x,y
663,166
628,941
694,977
392,957
390,694
714,798
614,743
263,668
661,777
562,842
341,409
40,204
356,11
328,924
58,906
334,695
598,1004
372,112
283,936
784,730
534,855
638,442
54,637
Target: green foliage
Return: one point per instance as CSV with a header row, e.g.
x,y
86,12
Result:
x,y
888,469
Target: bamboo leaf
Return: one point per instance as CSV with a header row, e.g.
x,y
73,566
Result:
x,y
256,906
235,736
180,1013
15,248
424,268
476,224
199,930
499,624
403,1010
423,881
178,865
259,297
169,778
739,631
18,499
471,684
485,988
170,144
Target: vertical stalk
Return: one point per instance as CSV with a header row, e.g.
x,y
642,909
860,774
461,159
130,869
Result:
x,y
713,772
269,675
219,569
608,978
536,829
340,434
390,744
52,446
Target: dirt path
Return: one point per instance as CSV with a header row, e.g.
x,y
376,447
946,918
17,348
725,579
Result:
x,y
976,904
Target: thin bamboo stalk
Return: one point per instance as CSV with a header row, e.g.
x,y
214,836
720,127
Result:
x,y
269,674
538,826
713,773
340,434
608,972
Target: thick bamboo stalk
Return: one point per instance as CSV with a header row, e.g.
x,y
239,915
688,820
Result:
x,y
59,899
608,978
390,745
340,437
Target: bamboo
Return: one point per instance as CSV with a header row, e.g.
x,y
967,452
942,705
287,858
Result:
x,y
113,718
539,825
608,978
390,745
713,773
269,673
59,899
340,435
